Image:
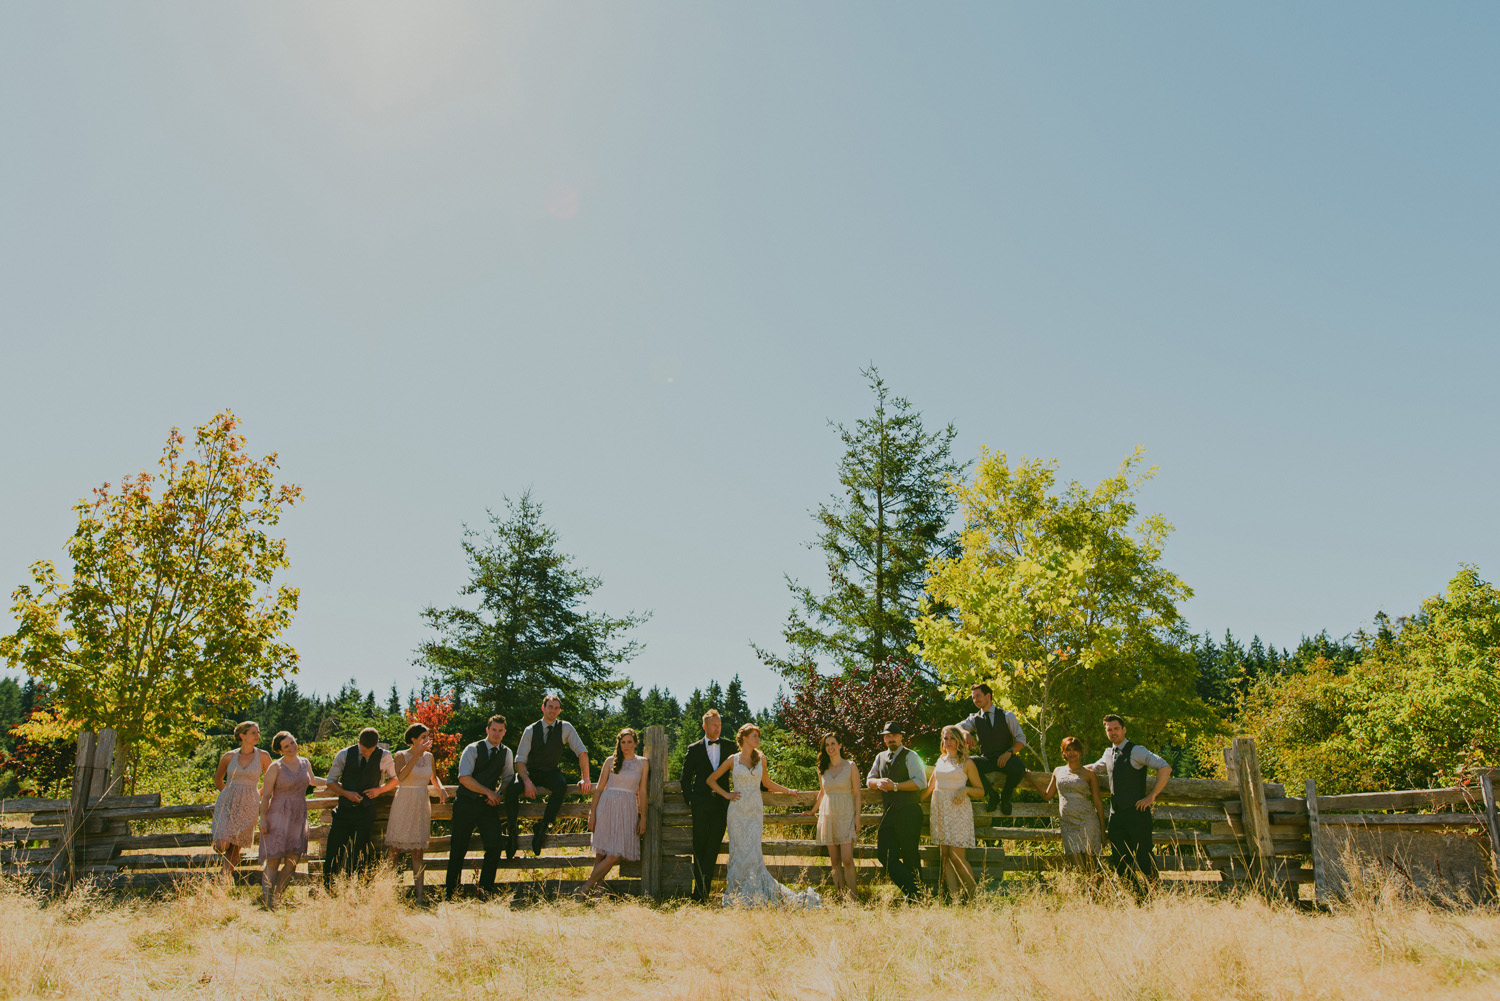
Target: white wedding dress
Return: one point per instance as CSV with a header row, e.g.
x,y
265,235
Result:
x,y
749,882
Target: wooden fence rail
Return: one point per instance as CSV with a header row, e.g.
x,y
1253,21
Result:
x,y
1236,830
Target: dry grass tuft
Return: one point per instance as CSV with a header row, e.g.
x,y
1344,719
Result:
x,y
209,942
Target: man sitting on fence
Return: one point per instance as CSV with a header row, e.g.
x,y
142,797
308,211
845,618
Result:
x,y
537,760
999,739
359,773
1130,820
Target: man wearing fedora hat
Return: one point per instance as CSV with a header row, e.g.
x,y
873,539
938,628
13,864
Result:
x,y
900,777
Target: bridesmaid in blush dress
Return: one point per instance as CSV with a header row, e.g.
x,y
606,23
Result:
x,y
283,816
238,780
617,815
1080,808
837,806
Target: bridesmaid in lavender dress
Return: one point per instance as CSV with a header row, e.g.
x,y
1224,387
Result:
x,y
617,816
283,816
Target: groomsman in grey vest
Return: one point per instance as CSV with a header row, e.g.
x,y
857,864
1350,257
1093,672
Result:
x,y
484,768
1130,820
537,759
900,777
999,739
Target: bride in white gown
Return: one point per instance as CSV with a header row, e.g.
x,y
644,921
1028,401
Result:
x,y
749,882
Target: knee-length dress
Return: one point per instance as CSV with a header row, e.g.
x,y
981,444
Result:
x,y
409,827
284,833
952,823
618,818
1079,820
238,804
837,824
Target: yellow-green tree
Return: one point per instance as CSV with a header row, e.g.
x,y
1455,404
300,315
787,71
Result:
x,y
1061,603
170,614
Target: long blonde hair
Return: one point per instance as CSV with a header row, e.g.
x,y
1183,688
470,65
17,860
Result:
x,y
959,738
739,738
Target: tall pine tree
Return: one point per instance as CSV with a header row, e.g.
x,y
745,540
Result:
x,y
878,534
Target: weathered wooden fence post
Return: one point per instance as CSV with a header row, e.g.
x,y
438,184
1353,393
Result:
x,y
70,855
1253,813
1492,815
652,863
1315,844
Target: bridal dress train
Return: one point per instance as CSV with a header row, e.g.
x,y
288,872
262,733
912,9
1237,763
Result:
x,y
749,882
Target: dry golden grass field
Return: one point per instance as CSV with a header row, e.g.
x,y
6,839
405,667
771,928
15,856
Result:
x,y
210,942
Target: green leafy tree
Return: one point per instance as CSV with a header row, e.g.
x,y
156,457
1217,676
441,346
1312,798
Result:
x,y
170,615
878,535
1060,601
736,710
530,633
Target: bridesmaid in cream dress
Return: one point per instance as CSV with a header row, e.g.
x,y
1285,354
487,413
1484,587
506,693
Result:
x,y
837,807
409,828
953,786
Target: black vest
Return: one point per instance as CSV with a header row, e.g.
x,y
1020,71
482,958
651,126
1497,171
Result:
x,y
994,740
488,767
1127,783
360,773
897,771
545,756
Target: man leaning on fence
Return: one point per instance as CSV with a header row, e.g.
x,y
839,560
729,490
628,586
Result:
x,y
359,773
1130,821
485,769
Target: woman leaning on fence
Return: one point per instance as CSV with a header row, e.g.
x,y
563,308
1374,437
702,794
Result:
x,y
238,780
283,816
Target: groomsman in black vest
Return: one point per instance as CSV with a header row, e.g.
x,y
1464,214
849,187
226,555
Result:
x,y
999,739
1130,820
900,777
484,768
710,811
537,759
359,773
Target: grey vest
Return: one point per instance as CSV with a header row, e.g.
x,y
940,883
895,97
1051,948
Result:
x,y
895,769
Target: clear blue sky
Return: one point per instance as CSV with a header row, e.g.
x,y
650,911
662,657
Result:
x,y
632,256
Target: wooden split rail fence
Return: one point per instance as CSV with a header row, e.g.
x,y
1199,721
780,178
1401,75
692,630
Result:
x,y
1235,831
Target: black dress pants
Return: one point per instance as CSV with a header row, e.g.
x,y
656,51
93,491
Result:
x,y
550,779
1013,770
896,844
469,813
709,822
1130,842
351,845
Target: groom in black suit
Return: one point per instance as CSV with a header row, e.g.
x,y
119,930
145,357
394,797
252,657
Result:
x,y
709,810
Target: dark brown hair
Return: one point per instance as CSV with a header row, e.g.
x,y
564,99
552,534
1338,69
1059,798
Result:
x,y
276,741
495,719
619,753
414,731
1112,718
982,687
824,761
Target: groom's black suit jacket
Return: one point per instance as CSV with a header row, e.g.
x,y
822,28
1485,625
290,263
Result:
x,y
696,769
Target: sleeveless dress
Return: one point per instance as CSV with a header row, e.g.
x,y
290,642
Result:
x,y
1080,821
618,817
749,883
952,823
409,827
285,832
837,824
238,805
